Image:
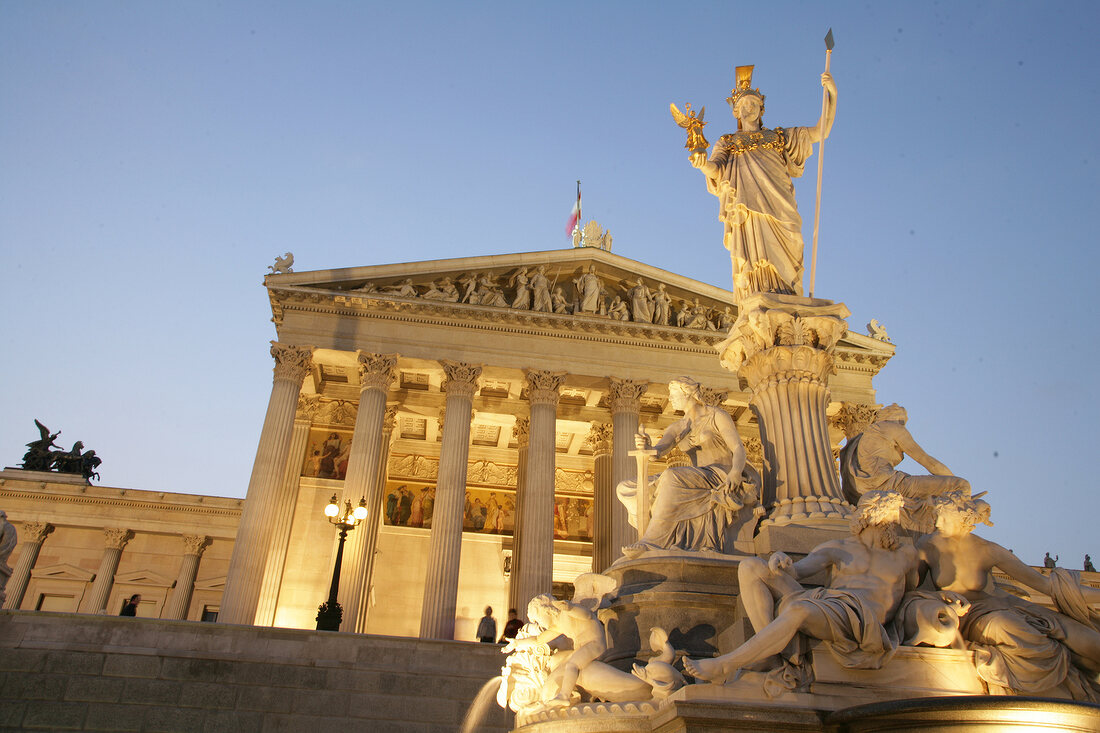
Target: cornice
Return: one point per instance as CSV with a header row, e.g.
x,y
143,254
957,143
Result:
x,y
500,320
130,504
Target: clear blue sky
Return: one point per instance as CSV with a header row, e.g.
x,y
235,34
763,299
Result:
x,y
156,157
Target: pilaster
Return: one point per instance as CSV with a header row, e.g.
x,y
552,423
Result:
x,y
603,497
521,433
625,401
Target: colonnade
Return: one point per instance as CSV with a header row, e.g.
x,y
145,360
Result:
x,y
268,511
115,540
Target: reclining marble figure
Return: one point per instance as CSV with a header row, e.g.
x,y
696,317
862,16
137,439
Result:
x,y
871,571
695,507
1020,647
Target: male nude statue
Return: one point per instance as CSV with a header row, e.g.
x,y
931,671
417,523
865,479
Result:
x,y
871,571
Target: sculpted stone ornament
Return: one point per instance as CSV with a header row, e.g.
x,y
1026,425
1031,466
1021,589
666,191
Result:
x,y
540,291
641,303
589,292
870,572
519,280
282,264
442,290
868,462
662,306
877,331
553,661
376,371
750,172
8,539
1020,647
403,289
292,362
706,505
461,378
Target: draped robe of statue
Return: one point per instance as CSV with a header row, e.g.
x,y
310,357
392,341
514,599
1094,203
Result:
x,y
696,506
757,206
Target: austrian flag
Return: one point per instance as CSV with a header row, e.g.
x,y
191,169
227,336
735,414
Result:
x,y
575,214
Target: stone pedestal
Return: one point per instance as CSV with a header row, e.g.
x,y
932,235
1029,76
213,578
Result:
x,y
693,596
782,347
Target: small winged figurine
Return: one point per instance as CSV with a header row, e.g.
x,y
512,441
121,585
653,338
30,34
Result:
x,y
696,143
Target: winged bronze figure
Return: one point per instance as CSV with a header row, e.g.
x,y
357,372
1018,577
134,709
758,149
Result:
x,y
696,142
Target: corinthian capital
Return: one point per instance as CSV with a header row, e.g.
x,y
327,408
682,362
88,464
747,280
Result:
x,y
390,420
625,395
461,378
521,431
194,544
543,386
600,437
376,370
35,532
292,362
116,538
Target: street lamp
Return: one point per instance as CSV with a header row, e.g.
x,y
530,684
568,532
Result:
x,y
329,613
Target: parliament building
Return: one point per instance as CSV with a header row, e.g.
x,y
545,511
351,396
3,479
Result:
x,y
483,408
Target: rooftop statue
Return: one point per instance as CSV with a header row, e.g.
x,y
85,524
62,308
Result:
x,y
750,172
698,506
39,457
1020,647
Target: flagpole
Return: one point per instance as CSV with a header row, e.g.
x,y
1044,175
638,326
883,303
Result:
x,y
820,159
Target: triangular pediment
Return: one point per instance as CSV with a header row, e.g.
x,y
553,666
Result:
x,y
142,577
62,571
549,285
217,583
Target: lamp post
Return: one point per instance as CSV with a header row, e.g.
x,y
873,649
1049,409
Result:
x,y
329,613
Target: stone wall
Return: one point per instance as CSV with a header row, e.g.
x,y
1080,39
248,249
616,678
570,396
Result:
x,y
81,672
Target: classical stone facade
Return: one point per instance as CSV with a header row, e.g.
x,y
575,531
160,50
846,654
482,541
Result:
x,y
486,428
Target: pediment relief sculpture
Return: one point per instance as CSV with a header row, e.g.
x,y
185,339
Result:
x,y
562,290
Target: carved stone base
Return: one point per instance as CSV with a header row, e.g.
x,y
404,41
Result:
x,y
797,538
693,596
781,346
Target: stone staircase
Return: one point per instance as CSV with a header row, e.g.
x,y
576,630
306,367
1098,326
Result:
x,y
81,672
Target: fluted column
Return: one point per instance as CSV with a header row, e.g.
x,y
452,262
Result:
x,y
437,614
376,519
33,535
535,571
193,545
603,495
286,500
783,350
521,432
364,461
114,540
625,398
254,534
